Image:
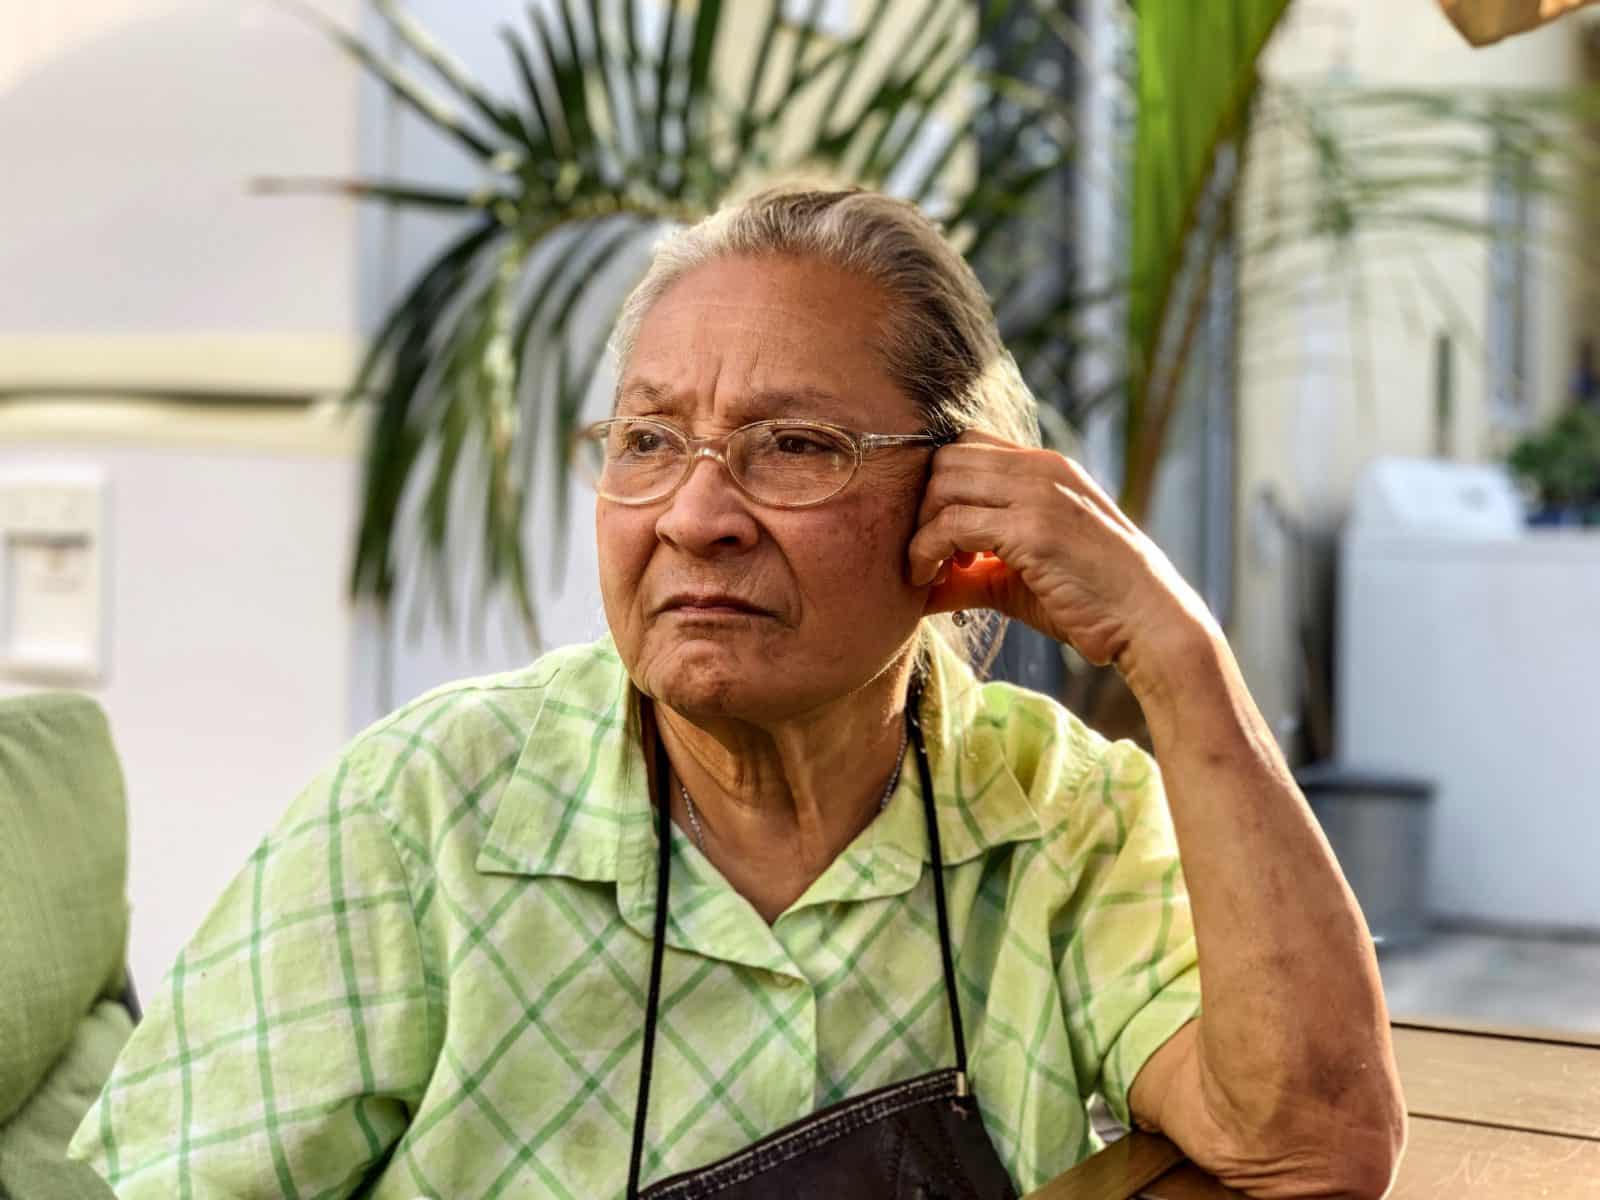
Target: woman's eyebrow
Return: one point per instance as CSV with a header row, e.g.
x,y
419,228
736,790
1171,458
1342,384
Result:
x,y
645,394
782,401
798,400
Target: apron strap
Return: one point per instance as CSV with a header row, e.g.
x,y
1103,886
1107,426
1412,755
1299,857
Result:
x,y
659,938
935,852
657,948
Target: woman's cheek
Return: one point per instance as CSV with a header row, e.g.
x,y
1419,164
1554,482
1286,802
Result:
x,y
624,546
861,555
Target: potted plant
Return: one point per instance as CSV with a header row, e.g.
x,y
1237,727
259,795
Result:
x,y
1561,465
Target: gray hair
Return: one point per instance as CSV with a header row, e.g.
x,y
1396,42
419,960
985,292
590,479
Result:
x,y
939,341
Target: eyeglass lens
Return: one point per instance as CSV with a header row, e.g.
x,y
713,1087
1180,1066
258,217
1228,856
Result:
x,y
639,460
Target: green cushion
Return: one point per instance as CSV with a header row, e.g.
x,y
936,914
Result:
x,y
63,879
33,1144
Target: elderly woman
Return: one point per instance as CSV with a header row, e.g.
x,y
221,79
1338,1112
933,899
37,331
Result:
x,y
764,894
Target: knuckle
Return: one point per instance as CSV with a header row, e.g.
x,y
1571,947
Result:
x,y
1035,531
1057,465
968,521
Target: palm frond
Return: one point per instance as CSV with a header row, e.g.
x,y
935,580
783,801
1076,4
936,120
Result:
x,y
408,194
614,129
1191,106
609,134
450,71
402,86
401,356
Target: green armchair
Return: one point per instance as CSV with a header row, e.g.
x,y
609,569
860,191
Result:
x,y
66,1004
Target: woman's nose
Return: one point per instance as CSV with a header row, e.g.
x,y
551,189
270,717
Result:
x,y
708,510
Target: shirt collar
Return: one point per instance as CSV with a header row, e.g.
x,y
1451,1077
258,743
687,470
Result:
x,y
577,803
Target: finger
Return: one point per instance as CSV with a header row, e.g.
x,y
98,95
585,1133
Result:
x,y
974,448
1085,484
988,484
1031,501
989,476
1026,460
957,528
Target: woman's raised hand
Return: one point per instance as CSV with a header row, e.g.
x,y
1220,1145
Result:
x,y
1028,533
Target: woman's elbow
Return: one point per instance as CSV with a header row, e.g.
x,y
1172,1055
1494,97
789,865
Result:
x,y
1346,1152
1374,1160
1358,1152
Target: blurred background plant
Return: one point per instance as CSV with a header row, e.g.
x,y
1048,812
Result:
x,y
480,371
484,364
1561,463
484,359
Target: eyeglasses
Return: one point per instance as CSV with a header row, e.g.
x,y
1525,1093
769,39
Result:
x,y
785,464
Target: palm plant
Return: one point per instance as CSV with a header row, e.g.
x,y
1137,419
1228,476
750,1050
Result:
x,y
622,124
616,131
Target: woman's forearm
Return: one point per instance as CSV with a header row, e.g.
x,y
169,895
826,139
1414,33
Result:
x,y
1294,1032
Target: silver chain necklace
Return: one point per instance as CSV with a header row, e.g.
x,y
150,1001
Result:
x,y
883,801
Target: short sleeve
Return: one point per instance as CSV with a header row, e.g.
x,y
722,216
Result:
x,y
1127,960
284,1051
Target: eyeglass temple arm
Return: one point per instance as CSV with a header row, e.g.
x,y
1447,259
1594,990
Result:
x,y
871,441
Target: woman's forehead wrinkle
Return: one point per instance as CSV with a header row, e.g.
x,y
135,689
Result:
x,y
800,400
740,391
739,362
643,394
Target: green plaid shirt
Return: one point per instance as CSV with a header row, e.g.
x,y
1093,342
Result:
x,y
429,979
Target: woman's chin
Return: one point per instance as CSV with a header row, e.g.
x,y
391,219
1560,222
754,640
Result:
x,y
708,677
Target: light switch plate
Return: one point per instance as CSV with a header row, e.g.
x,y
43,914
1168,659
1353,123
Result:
x,y
52,575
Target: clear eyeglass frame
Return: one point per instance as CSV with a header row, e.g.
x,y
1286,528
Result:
x,y
715,448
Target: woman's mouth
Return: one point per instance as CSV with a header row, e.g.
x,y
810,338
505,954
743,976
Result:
x,y
712,605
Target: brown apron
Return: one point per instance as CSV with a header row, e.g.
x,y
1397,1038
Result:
x,y
918,1140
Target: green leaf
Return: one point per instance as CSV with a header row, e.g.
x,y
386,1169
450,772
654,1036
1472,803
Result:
x,y
547,132
564,72
450,70
402,86
747,119
1190,104
402,354
673,17
909,106
796,73
412,195
827,130
572,77
541,338
615,95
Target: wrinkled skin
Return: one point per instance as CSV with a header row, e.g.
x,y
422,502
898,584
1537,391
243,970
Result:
x,y
735,341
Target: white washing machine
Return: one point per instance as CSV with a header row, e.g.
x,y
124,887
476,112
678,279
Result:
x,y
1469,654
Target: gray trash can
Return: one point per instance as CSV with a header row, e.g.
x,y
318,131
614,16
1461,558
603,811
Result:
x,y
1378,825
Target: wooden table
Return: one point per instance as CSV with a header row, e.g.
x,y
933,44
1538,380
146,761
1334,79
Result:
x,y
1495,1115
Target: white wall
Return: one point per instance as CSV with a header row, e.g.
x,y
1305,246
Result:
x,y
136,265
131,133
226,637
